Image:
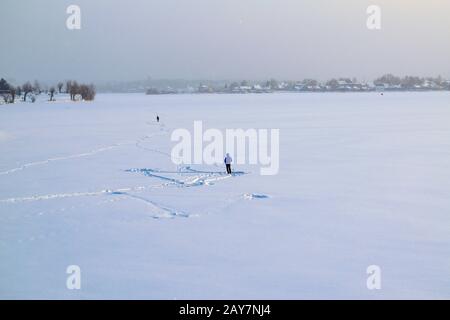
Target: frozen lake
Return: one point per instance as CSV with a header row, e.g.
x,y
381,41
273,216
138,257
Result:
x,y
364,180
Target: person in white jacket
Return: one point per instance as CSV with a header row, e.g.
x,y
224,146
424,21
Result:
x,y
228,160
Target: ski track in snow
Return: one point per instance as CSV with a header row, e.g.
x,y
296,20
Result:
x,y
77,194
162,131
90,153
253,196
73,156
205,178
195,178
200,178
161,211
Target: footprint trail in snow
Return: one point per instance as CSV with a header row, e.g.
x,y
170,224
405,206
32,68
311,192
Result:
x,y
185,176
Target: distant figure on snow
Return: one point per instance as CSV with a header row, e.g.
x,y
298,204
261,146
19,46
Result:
x,y
228,160
157,118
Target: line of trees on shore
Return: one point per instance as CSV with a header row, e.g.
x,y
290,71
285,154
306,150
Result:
x,y
76,91
387,82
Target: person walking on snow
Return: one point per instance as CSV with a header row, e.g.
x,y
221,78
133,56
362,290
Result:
x,y
228,160
157,118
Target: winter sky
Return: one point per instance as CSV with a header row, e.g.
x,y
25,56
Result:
x,y
226,39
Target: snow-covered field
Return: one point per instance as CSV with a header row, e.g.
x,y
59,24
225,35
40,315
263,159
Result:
x,y
364,180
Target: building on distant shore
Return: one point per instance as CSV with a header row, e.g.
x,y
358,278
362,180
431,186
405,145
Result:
x,y
385,83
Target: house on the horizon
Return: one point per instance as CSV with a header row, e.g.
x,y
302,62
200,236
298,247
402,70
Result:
x,y
203,88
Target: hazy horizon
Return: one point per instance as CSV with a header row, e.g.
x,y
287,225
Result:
x,y
222,40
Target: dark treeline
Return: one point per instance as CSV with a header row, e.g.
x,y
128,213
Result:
x,y
79,91
386,82
76,91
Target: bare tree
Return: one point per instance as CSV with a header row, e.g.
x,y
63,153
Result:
x,y
310,82
13,93
27,88
87,92
51,92
37,87
388,79
68,84
410,82
60,86
272,84
333,84
74,89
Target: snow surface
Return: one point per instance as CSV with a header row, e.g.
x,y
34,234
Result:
x,y
364,179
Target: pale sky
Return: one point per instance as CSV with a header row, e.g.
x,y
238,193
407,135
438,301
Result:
x,y
227,39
